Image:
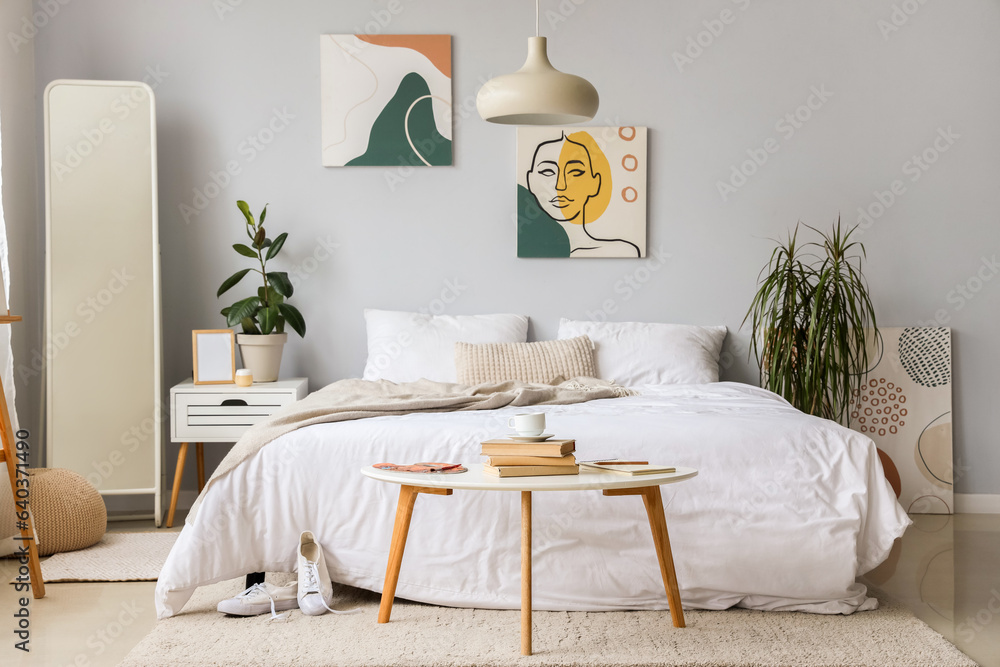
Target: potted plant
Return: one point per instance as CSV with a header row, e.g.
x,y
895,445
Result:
x,y
812,321
263,316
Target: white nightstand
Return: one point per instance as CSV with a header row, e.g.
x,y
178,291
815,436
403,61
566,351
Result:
x,y
201,413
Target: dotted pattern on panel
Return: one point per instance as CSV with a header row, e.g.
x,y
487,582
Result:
x,y
925,353
879,407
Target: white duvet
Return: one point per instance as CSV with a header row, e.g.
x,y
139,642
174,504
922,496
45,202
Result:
x,y
787,510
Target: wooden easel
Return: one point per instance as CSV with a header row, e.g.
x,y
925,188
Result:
x,y
9,454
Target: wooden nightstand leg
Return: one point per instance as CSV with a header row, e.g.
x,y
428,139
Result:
x,y
526,573
404,511
199,450
653,501
178,475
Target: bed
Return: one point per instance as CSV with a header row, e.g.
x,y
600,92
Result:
x,y
786,512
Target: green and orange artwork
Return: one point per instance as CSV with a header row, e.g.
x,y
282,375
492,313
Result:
x,y
581,192
386,100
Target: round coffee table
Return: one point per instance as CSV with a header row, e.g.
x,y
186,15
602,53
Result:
x,y
612,484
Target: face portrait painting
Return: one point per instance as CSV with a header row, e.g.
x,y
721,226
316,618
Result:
x,y
563,179
570,181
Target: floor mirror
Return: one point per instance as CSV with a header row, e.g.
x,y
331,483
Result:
x,y
104,411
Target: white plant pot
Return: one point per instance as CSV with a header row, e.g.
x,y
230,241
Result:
x,y
262,354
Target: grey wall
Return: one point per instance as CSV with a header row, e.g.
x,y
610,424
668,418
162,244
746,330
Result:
x,y
25,229
891,92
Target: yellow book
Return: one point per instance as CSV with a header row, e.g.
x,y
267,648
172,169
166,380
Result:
x,y
568,460
629,469
549,448
530,471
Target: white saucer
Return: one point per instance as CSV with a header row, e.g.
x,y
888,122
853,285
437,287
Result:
x,y
531,438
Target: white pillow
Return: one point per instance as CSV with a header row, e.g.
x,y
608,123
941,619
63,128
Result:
x,y
404,347
637,353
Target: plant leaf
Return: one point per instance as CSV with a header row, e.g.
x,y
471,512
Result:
x,y
259,237
230,281
242,205
282,285
244,250
294,318
268,318
275,248
249,326
246,308
263,214
270,297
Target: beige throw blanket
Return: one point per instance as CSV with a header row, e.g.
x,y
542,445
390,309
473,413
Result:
x,y
360,399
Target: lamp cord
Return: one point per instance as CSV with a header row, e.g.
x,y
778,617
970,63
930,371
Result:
x,y
536,18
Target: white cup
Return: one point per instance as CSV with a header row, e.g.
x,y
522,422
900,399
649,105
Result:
x,y
528,424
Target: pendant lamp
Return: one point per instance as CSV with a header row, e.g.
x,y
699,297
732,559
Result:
x,y
538,93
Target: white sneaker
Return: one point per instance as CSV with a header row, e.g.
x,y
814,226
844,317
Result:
x,y
261,598
315,588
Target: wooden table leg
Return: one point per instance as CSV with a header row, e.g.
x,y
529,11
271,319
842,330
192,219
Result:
x,y
404,510
199,449
526,573
658,524
653,501
178,475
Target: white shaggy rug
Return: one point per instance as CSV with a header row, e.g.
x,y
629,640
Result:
x,y
428,635
117,557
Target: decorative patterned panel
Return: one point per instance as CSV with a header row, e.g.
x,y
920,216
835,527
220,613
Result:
x,y
905,407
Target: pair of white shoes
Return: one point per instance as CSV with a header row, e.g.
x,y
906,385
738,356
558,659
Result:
x,y
312,593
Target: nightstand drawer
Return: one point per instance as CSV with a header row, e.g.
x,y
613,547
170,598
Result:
x,y
223,416
223,413
225,420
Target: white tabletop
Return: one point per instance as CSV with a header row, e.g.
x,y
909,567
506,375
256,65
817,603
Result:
x,y
476,479
285,384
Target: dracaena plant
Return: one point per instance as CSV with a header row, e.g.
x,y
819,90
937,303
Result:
x,y
267,312
811,318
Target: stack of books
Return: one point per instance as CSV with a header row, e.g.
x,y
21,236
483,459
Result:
x,y
508,458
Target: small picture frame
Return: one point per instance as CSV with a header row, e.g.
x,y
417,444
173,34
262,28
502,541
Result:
x,y
214,356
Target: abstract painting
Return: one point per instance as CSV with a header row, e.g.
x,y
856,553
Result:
x,y
386,100
905,406
581,192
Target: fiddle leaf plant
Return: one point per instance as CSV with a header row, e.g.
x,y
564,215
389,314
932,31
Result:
x,y
812,320
267,312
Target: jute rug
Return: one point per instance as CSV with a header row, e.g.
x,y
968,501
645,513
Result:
x,y
429,635
117,557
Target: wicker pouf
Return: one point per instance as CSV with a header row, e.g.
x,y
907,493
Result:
x,y
68,511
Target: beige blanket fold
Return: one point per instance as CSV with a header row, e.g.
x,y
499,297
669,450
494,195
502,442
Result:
x,y
360,399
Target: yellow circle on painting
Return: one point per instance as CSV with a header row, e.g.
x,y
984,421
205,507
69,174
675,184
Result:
x,y
598,165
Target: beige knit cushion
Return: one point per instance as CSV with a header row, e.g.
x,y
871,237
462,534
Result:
x,y
68,511
528,362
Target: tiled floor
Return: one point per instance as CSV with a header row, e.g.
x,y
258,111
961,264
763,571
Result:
x,y
81,624
947,569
